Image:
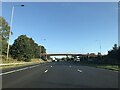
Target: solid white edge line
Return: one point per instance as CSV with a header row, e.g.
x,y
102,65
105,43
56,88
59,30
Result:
x,y
18,70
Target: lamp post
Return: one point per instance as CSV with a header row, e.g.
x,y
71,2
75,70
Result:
x,y
9,34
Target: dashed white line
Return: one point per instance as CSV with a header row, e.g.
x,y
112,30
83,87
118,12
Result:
x,y
46,71
18,70
79,70
51,66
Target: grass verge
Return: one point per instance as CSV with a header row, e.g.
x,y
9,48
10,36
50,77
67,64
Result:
x,y
16,63
105,66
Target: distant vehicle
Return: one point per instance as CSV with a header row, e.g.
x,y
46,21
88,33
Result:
x,y
55,60
58,60
77,60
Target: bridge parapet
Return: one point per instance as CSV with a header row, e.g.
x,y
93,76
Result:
x,y
68,54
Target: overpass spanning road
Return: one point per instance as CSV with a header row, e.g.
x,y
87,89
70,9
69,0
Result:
x,y
67,54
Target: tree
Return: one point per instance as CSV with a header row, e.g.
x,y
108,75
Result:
x,y
113,55
36,50
4,34
22,48
115,47
43,50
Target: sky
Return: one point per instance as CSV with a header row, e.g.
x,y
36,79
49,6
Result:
x,y
66,27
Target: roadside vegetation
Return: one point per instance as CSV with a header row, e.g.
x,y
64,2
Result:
x,y
112,58
110,61
11,60
11,63
24,49
104,66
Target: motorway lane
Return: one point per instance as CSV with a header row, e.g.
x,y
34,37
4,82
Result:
x,y
20,78
61,75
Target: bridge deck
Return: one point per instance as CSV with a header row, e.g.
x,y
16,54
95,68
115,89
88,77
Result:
x,y
68,54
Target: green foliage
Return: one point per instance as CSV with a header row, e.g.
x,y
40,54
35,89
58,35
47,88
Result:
x,y
36,50
4,34
21,49
114,54
24,48
43,50
4,29
113,57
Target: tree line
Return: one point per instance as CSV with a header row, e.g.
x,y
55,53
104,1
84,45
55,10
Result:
x,y
113,57
23,48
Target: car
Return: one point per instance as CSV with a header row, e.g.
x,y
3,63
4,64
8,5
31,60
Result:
x,y
55,60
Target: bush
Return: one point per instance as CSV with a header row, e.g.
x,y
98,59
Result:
x,y
22,49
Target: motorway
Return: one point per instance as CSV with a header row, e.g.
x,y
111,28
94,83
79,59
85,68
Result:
x,y
59,75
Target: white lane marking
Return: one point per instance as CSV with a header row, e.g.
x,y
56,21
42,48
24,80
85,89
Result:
x,y
51,66
79,70
46,71
18,70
